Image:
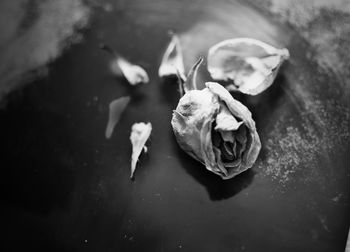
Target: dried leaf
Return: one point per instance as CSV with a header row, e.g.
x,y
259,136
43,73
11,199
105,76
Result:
x,y
140,132
172,61
191,82
116,108
134,74
249,65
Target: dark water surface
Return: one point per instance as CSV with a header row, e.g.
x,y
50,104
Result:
x,y
64,187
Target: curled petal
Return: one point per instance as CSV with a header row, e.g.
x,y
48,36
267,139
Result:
x,y
134,74
172,61
140,132
116,108
226,121
249,65
195,108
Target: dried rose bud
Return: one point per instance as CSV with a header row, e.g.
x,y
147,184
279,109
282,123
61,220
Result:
x,y
217,130
249,65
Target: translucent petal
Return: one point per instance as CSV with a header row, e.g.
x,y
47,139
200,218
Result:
x,y
134,74
172,61
240,111
225,121
249,65
116,108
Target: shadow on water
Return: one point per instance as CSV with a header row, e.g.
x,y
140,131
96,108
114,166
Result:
x,y
217,188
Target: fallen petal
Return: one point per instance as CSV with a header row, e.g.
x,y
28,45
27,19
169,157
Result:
x,y
249,65
227,136
116,108
172,61
134,74
140,132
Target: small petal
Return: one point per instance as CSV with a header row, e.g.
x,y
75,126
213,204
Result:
x,y
116,108
133,73
225,120
248,64
140,132
227,136
172,61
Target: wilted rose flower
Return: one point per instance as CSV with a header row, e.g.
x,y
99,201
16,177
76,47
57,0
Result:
x,y
217,130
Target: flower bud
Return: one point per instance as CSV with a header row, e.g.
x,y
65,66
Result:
x,y
217,130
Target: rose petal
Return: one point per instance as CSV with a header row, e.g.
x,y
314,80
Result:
x,y
116,108
140,132
251,65
133,73
225,121
242,112
227,151
172,61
